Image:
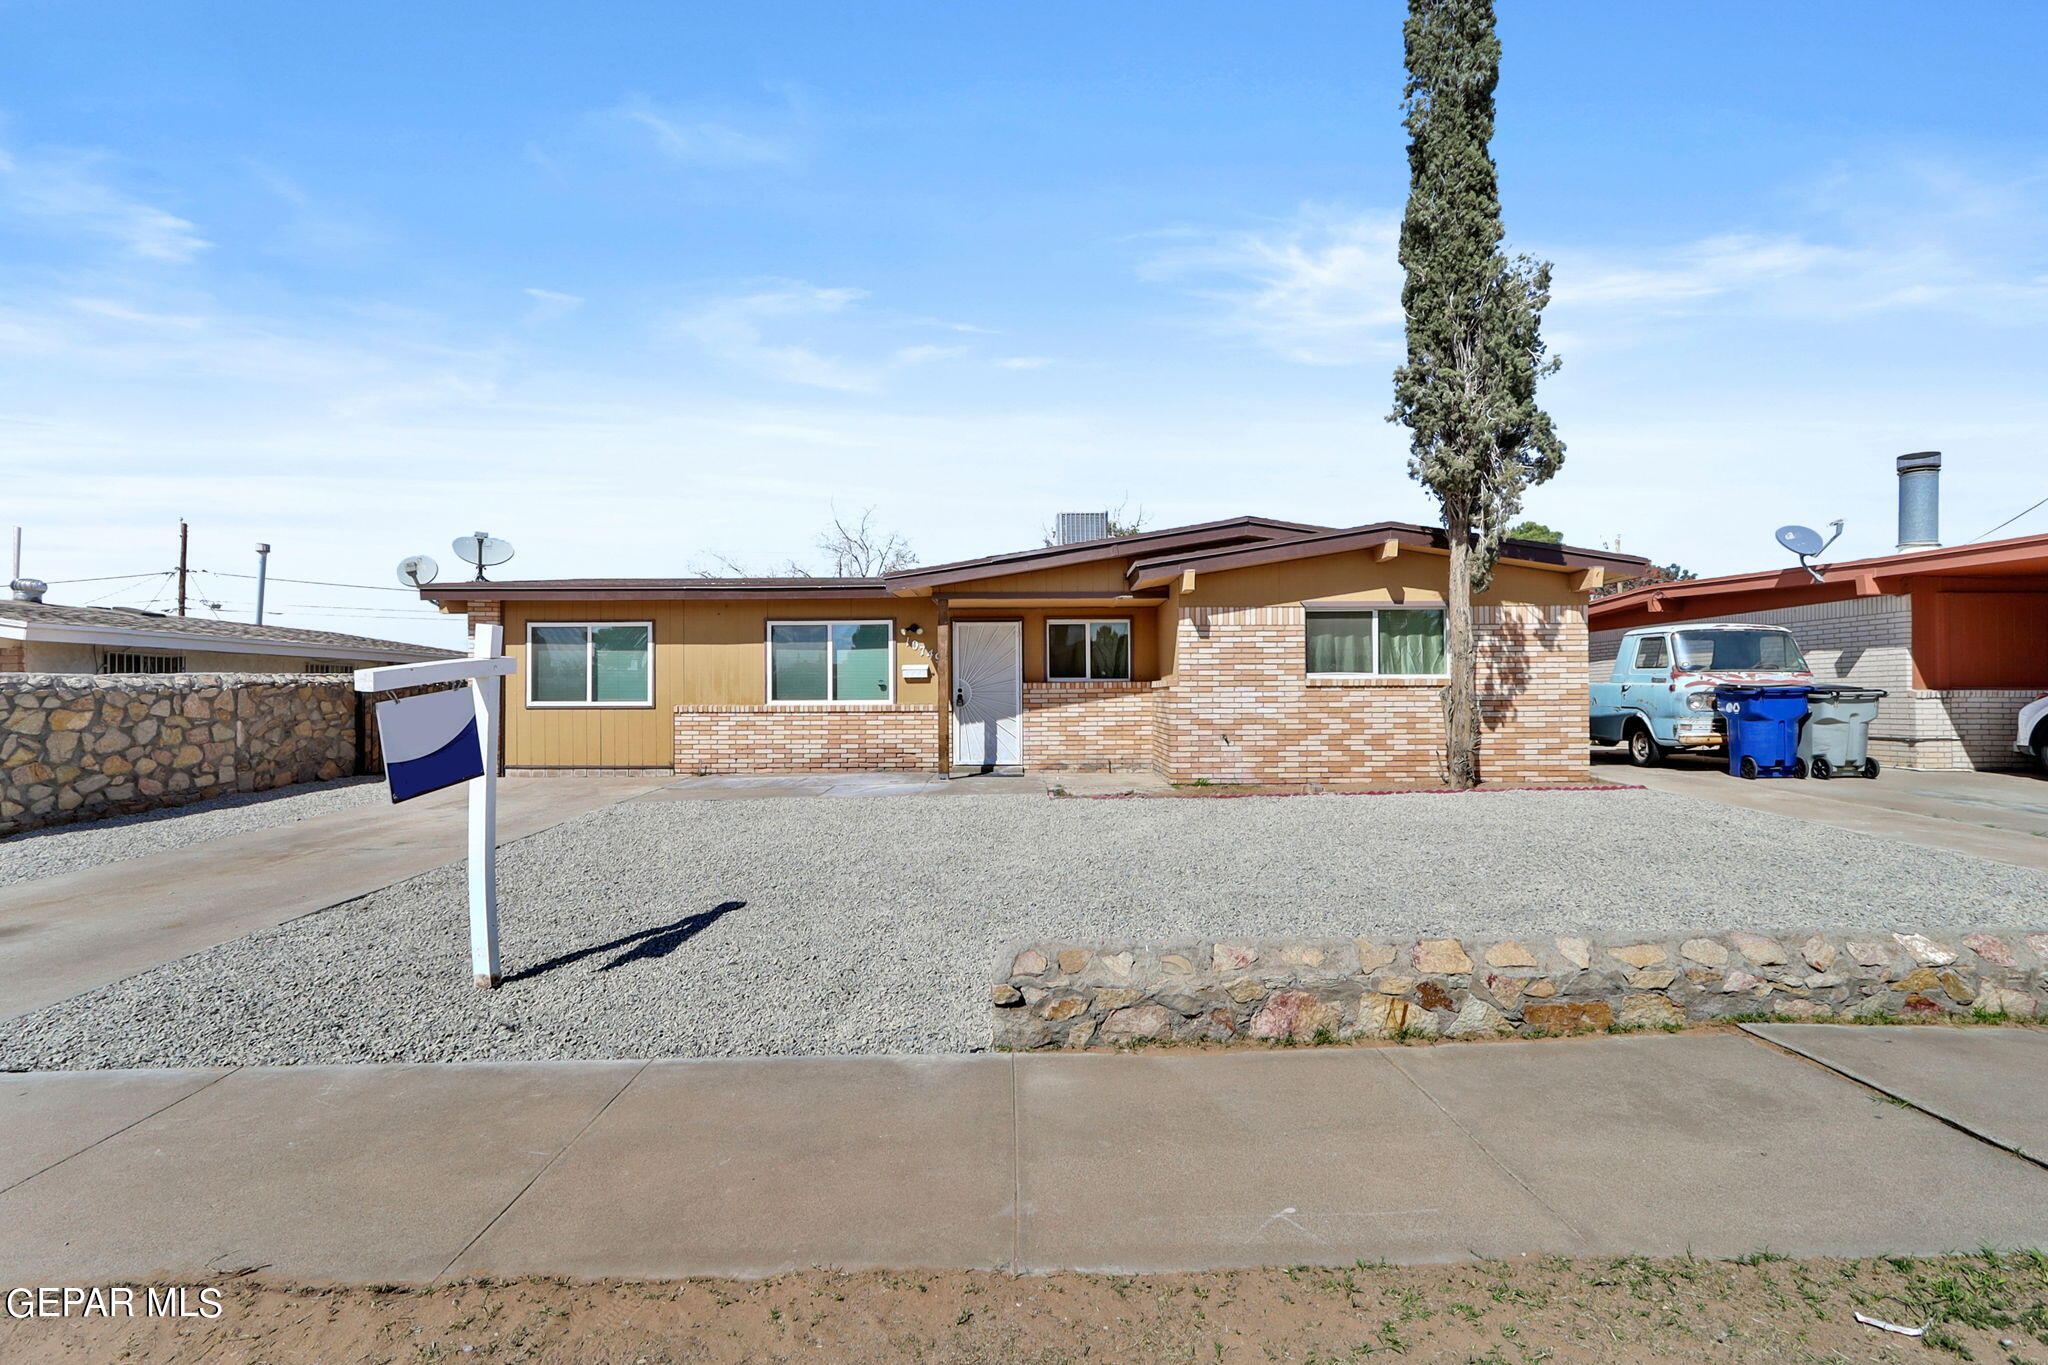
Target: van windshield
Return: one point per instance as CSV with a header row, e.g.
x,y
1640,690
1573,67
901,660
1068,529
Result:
x,y
1714,650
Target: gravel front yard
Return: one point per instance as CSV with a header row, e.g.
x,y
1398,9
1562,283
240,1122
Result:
x,y
72,848
663,929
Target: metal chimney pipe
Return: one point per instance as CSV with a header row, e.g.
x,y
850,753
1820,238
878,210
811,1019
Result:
x,y
262,577
1920,500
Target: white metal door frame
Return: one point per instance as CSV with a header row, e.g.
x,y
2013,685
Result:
x,y
987,710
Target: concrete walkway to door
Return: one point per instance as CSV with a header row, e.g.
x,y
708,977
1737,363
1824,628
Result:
x,y
1717,1145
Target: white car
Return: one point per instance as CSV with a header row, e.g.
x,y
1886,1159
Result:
x,y
2031,735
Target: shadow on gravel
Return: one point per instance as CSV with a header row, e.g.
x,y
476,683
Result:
x,y
641,946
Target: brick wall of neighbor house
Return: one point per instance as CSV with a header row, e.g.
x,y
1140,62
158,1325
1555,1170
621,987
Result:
x,y
1960,730
1242,709
1089,726
78,746
810,737
11,656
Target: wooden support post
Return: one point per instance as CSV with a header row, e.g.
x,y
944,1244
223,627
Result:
x,y
942,671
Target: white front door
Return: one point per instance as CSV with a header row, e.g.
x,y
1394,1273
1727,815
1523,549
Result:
x,y
988,693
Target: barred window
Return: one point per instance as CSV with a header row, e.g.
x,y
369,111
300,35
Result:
x,y
129,661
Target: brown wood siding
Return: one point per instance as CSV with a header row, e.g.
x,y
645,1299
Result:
x,y
705,654
1412,575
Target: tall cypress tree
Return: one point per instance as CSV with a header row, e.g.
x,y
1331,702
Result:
x,y
1475,348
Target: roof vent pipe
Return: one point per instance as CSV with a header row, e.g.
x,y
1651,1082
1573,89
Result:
x,y
1920,500
1071,527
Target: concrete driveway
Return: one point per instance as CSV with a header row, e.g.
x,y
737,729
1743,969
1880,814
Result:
x,y
2001,816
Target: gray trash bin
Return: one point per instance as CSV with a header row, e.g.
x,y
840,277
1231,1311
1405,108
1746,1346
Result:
x,y
1834,740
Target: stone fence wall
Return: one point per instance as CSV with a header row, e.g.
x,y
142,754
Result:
x,y
1072,995
80,746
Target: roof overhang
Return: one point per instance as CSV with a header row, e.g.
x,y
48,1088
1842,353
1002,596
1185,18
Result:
x,y
1234,531
1387,539
173,641
2024,556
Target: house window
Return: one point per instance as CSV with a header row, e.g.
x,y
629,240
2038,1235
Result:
x,y
830,661
590,663
1080,650
1397,641
128,661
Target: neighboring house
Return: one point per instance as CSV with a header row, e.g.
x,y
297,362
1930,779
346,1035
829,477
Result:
x,y
1246,650
46,637
1958,636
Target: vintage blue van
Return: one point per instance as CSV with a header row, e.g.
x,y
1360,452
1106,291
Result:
x,y
1660,695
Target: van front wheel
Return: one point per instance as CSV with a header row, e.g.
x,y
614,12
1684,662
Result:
x,y
1643,749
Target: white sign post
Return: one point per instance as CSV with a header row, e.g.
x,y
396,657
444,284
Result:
x,y
484,671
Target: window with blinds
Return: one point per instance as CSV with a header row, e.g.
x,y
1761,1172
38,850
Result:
x,y
830,661
590,663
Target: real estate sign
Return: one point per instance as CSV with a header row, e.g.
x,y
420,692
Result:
x,y
430,742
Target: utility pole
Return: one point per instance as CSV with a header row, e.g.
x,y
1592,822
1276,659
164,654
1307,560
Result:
x,y
262,574
184,536
17,552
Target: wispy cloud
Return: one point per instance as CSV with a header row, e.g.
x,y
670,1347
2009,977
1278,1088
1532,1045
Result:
x,y
73,192
549,304
1320,289
1023,362
735,330
739,331
702,140
1323,288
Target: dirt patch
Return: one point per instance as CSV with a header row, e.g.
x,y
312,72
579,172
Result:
x,y
1987,1307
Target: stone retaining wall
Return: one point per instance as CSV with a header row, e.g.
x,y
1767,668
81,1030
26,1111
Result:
x,y
1072,995
80,746
807,737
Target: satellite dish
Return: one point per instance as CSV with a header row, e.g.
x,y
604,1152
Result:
x,y
481,550
1800,540
416,571
1805,542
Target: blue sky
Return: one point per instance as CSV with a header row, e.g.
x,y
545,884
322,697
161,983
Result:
x,y
634,285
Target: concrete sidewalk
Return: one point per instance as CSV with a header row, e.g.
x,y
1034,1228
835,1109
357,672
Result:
x,y
70,933
1654,1145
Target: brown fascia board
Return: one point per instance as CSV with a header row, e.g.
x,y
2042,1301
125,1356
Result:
x,y
654,589
1234,529
1150,572
1984,557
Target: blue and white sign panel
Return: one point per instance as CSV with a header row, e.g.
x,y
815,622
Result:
x,y
430,742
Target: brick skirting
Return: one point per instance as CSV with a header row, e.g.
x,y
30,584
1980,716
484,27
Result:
x,y
1088,726
806,737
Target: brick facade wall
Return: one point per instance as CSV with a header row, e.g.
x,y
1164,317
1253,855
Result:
x,y
1089,726
1242,708
812,737
13,656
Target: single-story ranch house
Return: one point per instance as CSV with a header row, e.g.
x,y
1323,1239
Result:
x,y
1245,650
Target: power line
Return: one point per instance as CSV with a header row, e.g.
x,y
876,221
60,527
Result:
x,y
1994,530
315,582
110,577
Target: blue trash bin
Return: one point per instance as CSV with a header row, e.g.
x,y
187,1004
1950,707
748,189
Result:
x,y
1763,729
